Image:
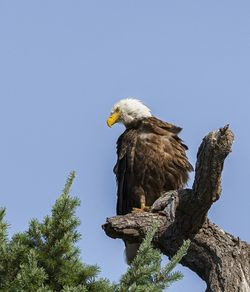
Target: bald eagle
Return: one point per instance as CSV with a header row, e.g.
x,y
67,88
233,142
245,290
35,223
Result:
x,y
151,158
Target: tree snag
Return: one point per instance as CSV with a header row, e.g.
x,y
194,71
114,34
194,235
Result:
x,y
220,259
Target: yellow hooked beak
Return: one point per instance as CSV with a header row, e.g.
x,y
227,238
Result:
x,y
113,118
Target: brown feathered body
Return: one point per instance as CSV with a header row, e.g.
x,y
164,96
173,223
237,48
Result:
x,y
151,159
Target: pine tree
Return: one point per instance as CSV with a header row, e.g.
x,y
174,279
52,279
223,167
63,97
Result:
x,y
45,257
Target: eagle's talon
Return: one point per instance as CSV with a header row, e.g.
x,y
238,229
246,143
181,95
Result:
x,y
142,209
137,210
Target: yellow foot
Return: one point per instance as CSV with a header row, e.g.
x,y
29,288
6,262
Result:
x,y
146,208
137,210
142,209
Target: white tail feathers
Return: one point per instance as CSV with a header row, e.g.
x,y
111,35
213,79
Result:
x,y
130,251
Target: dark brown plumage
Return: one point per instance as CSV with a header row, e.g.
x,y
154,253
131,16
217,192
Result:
x,y
151,160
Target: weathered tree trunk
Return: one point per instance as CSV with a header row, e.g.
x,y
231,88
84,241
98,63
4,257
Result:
x,y
219,258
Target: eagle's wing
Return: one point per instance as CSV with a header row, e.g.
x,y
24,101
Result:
x,y
165,153
123,169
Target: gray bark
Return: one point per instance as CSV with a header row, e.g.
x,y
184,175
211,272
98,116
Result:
x,y
220,259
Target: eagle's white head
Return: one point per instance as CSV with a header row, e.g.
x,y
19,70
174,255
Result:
x,y
127,111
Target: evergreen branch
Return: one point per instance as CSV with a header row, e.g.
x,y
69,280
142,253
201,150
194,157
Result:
x,y
30,277
145,272
177,257
3,228
69,182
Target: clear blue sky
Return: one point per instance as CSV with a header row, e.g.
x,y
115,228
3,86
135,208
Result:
x,y
63,64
